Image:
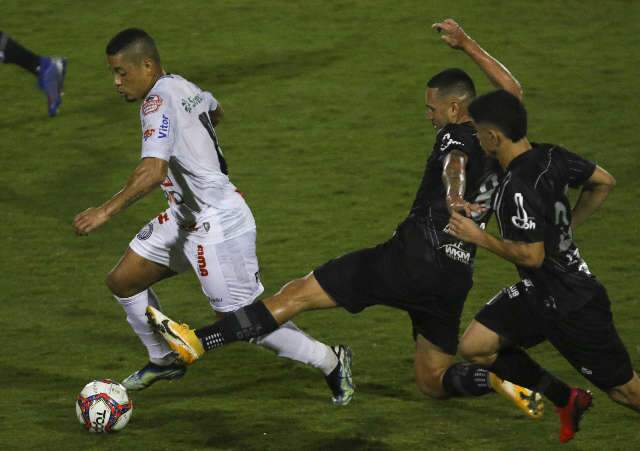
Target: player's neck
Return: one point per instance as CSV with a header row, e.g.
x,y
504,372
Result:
x,y
154,79
512,150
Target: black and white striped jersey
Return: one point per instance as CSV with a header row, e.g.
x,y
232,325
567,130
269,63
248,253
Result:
x,y
531,205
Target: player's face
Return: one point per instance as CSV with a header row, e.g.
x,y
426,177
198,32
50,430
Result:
x,y
131,79
437,108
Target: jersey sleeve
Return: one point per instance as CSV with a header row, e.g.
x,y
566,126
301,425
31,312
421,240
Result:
x,y
456,137
580,169
158,127
211,101
520,214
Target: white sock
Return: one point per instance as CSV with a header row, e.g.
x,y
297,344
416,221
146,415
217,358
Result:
x,y
290,342
135,308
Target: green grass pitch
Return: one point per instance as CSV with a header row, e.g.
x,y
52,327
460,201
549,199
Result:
x,y
325,133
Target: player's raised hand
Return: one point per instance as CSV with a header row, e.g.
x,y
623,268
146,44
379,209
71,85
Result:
x,y
89,220
464,228
451,33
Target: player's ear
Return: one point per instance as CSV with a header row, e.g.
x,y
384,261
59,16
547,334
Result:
x,y
453,111
148,64
496,137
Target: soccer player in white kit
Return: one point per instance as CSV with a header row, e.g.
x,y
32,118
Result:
x,y
208,227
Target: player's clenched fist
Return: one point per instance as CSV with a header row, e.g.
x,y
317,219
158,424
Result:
x,y
452,33
89,220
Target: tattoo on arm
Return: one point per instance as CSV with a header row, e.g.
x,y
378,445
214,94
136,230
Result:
x,y
454,179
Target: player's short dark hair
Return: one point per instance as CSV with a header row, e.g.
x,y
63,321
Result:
x,y
502,110
134,39
453,82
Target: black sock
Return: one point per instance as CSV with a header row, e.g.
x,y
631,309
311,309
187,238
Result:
x,y
466,379
12,52
244,324
514,365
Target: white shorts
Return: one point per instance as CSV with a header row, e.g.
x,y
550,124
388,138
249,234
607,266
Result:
x,y
226,267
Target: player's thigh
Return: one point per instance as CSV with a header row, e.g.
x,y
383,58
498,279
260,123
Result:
x,y
430,362
588,339
228,271
155,253
134,273
508,318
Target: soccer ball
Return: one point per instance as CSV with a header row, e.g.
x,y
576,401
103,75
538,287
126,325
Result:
x,y
104,406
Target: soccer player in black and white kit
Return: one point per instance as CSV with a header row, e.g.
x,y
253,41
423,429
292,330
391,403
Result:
x,y
421,269
558,298
208,227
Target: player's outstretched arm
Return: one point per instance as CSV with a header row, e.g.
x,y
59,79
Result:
x,y
522,254
146,177
593,194
453,34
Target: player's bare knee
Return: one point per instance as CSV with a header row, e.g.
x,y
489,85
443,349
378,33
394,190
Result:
x,y
469,352
430,386
118,286
299,294
628,395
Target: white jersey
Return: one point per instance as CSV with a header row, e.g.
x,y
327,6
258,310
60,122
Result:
x,y
176,128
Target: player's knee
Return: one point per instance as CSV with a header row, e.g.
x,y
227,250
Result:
x,y
118,286
431,386
627,395
298,293
469,352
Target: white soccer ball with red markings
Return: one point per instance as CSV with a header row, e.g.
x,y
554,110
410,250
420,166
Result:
x,y
104,406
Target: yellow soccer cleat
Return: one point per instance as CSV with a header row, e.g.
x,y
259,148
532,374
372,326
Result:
x,y
528,401
179,337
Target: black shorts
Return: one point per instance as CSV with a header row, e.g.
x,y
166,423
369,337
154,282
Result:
x,y
386,275
586,337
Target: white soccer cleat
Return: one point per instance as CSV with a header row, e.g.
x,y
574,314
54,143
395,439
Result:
x,y
180,337
528,401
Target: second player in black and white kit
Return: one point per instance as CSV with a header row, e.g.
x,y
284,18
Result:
x,y
558,298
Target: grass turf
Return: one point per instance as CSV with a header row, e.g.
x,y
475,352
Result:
x,y
325,133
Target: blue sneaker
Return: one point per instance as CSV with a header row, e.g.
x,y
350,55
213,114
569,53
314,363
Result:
x,y
151,374
339,380
51,81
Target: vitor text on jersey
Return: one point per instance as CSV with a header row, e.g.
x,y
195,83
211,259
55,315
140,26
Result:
x,y
163,130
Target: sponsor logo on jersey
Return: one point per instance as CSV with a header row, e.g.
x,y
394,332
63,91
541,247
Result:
x,y
456,252
202,263
148,133
163,217
586,371
522,220
190,103
163,131
145,232
151,104
550,303
512,292
448,141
